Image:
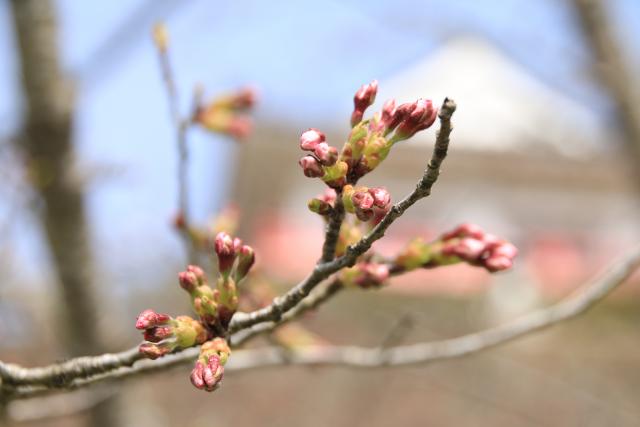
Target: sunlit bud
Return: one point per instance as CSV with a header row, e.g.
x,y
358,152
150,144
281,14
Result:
x,y
149,319
310,139
157,334
154,351
500,263
311,167
364,97
160,36
421,117
381,197
387,119
467,248
326,154
504,249
225,250
188,281
415,255
362,199
246,258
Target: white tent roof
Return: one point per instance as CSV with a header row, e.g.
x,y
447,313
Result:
x,y
500,105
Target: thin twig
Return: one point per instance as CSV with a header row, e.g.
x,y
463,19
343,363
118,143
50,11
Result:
x,y
181,127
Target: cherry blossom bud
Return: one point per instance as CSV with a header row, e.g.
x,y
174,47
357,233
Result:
x,y
188,281
336,176
500,263
246,258
149,319
364,97
421,117
326,154
225,250
311,167
158,334
362,199
381,197
387,118
310,139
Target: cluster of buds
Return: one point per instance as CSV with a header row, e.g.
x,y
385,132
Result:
x,y
322,162
366,203
224,114
209,368
466,243
164,334
365,275
370,140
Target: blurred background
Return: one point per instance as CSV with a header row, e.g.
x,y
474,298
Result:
x,y
545,152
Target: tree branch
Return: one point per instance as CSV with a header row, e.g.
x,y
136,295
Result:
x,y
20,383
322,271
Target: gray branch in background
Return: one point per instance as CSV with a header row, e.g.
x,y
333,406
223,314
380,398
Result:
x,y
614,73
82,372
47,148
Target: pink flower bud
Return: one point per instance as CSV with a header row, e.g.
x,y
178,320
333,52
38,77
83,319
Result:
x,y
364,97
329,196
362,200
326,154
188,281
499,263
149,319
381,197
421,117
225,250
246,258
311,167
388,115
158,334
310,138
197,376
504,249
371,274
468,249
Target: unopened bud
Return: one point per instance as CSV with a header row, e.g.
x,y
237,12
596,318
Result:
x,y
421,117
364,97
319,206
310,139
246,258
157,334
326,154
153,351
381,197
311,167
225,251
149,319
188,281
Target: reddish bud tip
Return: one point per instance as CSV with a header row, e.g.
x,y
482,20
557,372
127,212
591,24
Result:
x,y
149,319
225,250
158,334
246,259
421,115
364,97
310,139
381,197
326,154
153,351
188,281
362,200
311,167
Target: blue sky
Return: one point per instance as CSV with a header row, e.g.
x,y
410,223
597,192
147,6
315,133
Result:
x,y
306,58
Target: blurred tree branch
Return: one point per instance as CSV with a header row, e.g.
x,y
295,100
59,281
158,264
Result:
x,y
47,149
613,71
